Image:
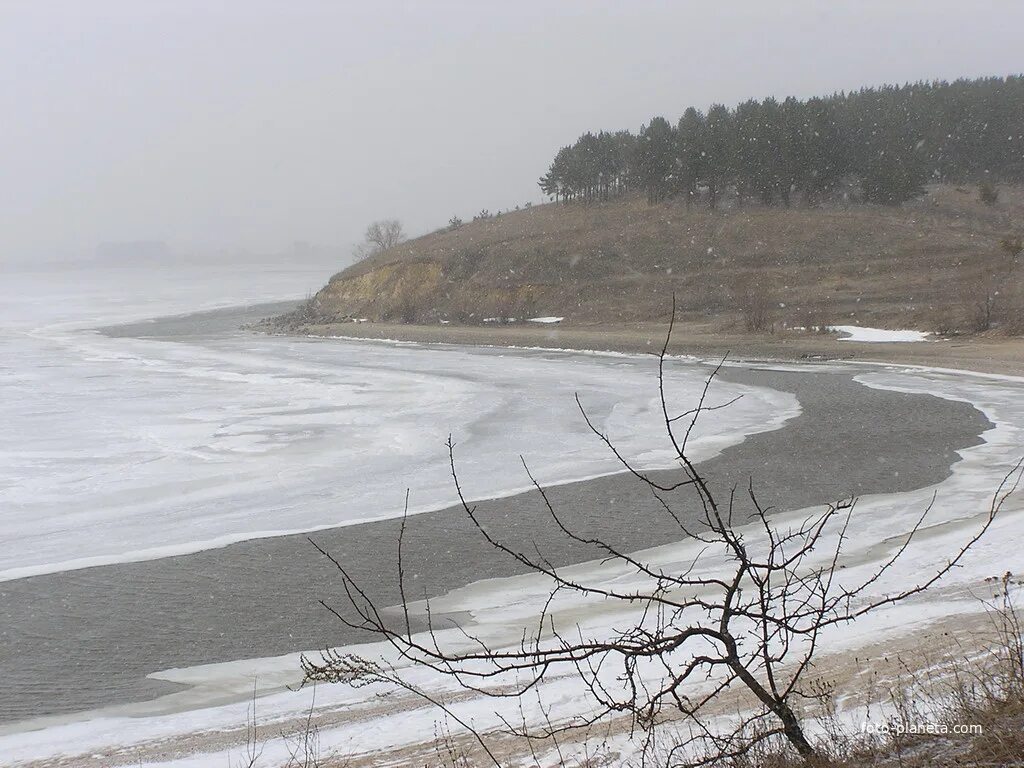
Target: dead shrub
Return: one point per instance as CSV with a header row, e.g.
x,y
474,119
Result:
x,y
754,299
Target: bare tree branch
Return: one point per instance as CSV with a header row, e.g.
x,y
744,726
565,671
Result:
x,y
745,614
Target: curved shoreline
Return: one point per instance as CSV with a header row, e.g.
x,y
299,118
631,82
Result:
x,y
259,598
999,355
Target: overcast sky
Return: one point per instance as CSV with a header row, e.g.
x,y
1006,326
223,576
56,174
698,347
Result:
x,y
250,124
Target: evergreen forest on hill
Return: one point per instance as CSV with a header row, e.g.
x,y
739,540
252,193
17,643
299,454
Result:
x,y
884,143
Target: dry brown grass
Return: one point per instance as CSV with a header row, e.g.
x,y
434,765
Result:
x,y
979,683
1001,744
921,265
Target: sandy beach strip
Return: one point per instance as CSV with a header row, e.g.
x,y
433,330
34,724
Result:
x,y
986,354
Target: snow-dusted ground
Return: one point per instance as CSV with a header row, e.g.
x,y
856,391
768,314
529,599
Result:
x,y
358,723
116,449
872,335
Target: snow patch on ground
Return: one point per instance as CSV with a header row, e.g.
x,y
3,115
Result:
x,y
871,335
546,320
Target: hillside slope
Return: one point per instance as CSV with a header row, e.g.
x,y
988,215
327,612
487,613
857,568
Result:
x,y
922,265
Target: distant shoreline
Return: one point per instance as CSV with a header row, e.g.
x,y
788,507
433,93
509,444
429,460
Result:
x,y
199,322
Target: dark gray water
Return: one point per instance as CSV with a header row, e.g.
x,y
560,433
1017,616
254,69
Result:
x,y
86,638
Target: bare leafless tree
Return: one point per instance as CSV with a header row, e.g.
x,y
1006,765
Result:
x,y
746,614
754,300
994,288
381,235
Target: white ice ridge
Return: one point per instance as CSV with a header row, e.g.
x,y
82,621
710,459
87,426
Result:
x,y
545,320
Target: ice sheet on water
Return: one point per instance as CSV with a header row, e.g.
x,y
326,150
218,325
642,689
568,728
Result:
x,y
121,448
498,609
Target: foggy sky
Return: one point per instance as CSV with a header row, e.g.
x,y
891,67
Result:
x,y
248,124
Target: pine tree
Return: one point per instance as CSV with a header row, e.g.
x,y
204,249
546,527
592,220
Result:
x,y
717,151
655,158
690,156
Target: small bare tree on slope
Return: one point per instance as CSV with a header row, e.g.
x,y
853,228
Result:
x,y
385,234
747,613
380,236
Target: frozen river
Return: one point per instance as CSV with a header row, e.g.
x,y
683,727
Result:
x,y
193,438
118,448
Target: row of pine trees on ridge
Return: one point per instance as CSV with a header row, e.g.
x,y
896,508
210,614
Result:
x,y
887,142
